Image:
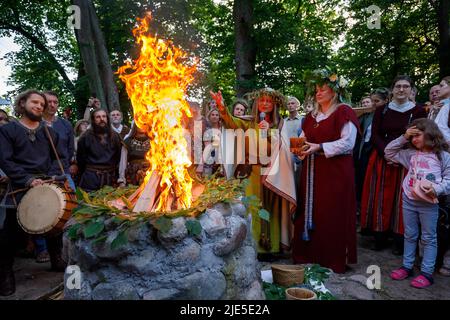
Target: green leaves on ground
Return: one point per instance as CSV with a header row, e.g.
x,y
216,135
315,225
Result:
x,y
73,231
273,291
315,276
194,227
82,195
163,224
316,273
93,229
120,240
96,208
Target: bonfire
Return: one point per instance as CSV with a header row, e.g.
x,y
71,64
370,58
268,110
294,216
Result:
x,y
156,83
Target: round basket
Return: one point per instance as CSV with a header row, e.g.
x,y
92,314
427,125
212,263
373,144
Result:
x,y
300,294
288,275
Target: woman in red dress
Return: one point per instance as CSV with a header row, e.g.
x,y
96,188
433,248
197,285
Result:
x,y
381,209
325,231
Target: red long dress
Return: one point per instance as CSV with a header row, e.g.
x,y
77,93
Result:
x,y
332,241
381,200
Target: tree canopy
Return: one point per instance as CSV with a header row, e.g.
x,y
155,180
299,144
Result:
x,y
289,36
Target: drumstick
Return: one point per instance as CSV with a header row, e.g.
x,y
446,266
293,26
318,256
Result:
x,y
25,189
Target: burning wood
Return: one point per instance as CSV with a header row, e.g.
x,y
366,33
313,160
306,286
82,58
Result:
x,y
149,194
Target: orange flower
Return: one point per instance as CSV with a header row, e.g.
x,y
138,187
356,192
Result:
x,y
333,77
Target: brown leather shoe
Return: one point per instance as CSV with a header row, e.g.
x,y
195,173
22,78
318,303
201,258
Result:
x,y
7,283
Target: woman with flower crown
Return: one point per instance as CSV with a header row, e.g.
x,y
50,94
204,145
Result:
x,y
325,228
272,179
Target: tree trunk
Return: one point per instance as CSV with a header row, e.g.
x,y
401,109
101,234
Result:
x,y
95,56
106,73
82,91
245,54
444,38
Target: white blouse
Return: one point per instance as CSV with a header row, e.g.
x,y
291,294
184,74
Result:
x,y
442,119
344,145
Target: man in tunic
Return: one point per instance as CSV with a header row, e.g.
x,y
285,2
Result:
x,y
64,130
98,153
27,158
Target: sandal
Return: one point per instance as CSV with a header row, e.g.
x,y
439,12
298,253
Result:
x,y
401,273
422,281
43,257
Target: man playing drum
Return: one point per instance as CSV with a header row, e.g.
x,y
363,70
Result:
x,y
27,159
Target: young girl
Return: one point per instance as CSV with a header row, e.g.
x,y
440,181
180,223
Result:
x,y
426,158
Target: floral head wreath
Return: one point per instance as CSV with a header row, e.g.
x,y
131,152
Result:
x,y
278,98
327,76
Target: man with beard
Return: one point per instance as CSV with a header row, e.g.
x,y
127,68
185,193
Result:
x,y
98,153
117,126
28,159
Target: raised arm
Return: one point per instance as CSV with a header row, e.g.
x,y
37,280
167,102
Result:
x,y
229,121
394,151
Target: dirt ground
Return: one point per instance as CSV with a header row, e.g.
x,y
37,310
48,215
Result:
x,y
35,281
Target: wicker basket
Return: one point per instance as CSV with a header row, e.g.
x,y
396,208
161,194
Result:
x,y
300,294
288,275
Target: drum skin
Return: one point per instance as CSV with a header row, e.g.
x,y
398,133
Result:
x,y
45,209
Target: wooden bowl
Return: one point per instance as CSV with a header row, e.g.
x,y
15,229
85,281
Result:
x,y
300,294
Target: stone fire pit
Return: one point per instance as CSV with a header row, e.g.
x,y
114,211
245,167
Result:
x,y
219,263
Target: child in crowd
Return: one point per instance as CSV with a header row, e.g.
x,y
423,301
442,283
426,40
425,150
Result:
x,y
239,108
428,164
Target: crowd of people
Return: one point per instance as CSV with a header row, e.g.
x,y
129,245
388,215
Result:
x,y
385,166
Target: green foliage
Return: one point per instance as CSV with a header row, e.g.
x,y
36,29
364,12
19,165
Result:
x,y
79,194
290,36
96,208
93,229
264,214
194,227
316,273
406,44
315,276
163,224
274,292
73,231
253,203
120,240
46,44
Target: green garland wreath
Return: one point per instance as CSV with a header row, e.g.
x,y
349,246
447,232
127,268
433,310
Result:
x,y
330,77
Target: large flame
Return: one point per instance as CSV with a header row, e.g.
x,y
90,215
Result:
x,y
156,84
